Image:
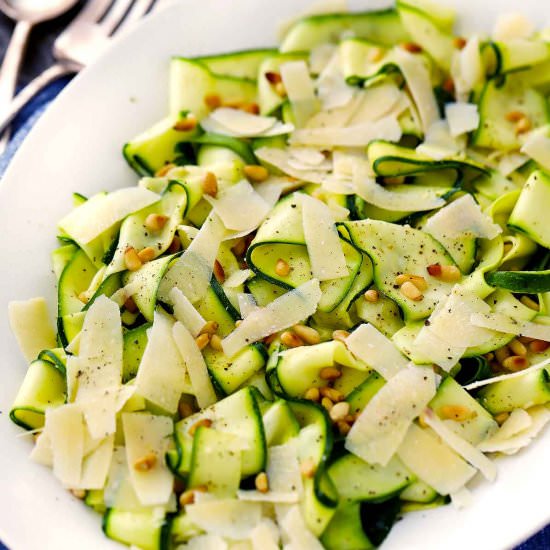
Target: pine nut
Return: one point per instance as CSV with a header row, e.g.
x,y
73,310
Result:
x,y
501,418
79,493
459,42
514,116
515,363
411,47
456,412
216,342
186,124
538,346
146,254
330,373
131,259
282,268
312,394
371,296
448,273
343,427
203,422
261,482
448,85
155,222
525,339
219,272
529,302
502,354
145,463
210,327
517,348
340,335
417,280
339,411
202,341
175,246
326,403
333,394
273,77
280,89
308,468
411,291
252,108
291,340
308,334
523,125
185,409
213,101
83,297
161,172
255,173
210,184
130,305
187,497
394,180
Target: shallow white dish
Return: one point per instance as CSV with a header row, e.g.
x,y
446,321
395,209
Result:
x,y
76,147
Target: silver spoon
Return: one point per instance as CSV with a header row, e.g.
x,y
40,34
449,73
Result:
x,y
26,13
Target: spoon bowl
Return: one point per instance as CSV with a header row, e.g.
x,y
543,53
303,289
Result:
x,y
35,11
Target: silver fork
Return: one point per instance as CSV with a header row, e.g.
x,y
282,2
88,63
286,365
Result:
x,y
80,43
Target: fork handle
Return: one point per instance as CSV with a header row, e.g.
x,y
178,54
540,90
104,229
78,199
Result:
x,y
30,90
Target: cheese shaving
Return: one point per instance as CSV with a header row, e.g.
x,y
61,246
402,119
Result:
x,y
238,123
265,536
95,466
322,240
377,433
286,311
185,312
299,89
537,147
503,323
237,278
294,528
511,26
247,304
462,117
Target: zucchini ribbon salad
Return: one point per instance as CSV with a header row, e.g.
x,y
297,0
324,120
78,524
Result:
x,y
326,302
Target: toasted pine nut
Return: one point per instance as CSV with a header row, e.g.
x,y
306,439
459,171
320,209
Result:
x,y
515,363
210,184
83,297
434,270
210,327
255,172
330,373
502,353
501,418
252,108
517,347
282,268
529,302
216,342
272,77
155,222
538,346
187,497
161,172
78,493
261,482
203,422
450,273
213,101
394,180
131,259
459,42
448,85
145,463
343,427
185,409
186,124
333,394
308,334
130,305
411,47
411,291
371,295
456,412
525,339
312,394
175,246
514,116
523,125
146,254
202,340
417,280
291,340
219,272
308,468
489,356
340,335
280,89
339,411
327,403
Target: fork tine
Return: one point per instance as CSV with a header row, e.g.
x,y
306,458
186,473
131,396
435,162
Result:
x,y
92,11
139,9
115,15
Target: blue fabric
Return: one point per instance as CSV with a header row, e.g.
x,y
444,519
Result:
x,y
21,127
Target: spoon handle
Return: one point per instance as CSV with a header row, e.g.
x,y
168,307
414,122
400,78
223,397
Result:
x,y
10,68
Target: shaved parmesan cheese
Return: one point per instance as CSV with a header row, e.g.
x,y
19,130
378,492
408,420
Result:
x,y
247,304
192,272
467,67
196,367
332,89
65,428
417,76
95,466
271,496
96,215
31,325
308,156
461,498
462,117
161,373
358,135
42,451
377,351
433,462
377,433
321,55
503,323
299,88
509,444
322,240
465,449
237,278
238,123
265,536
438,141
240,207
185,312
459,218
518,421
537,147
511,162
147,438
226,518
206,542
296,531
271,189
378,101
283,469
285,311
510,26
